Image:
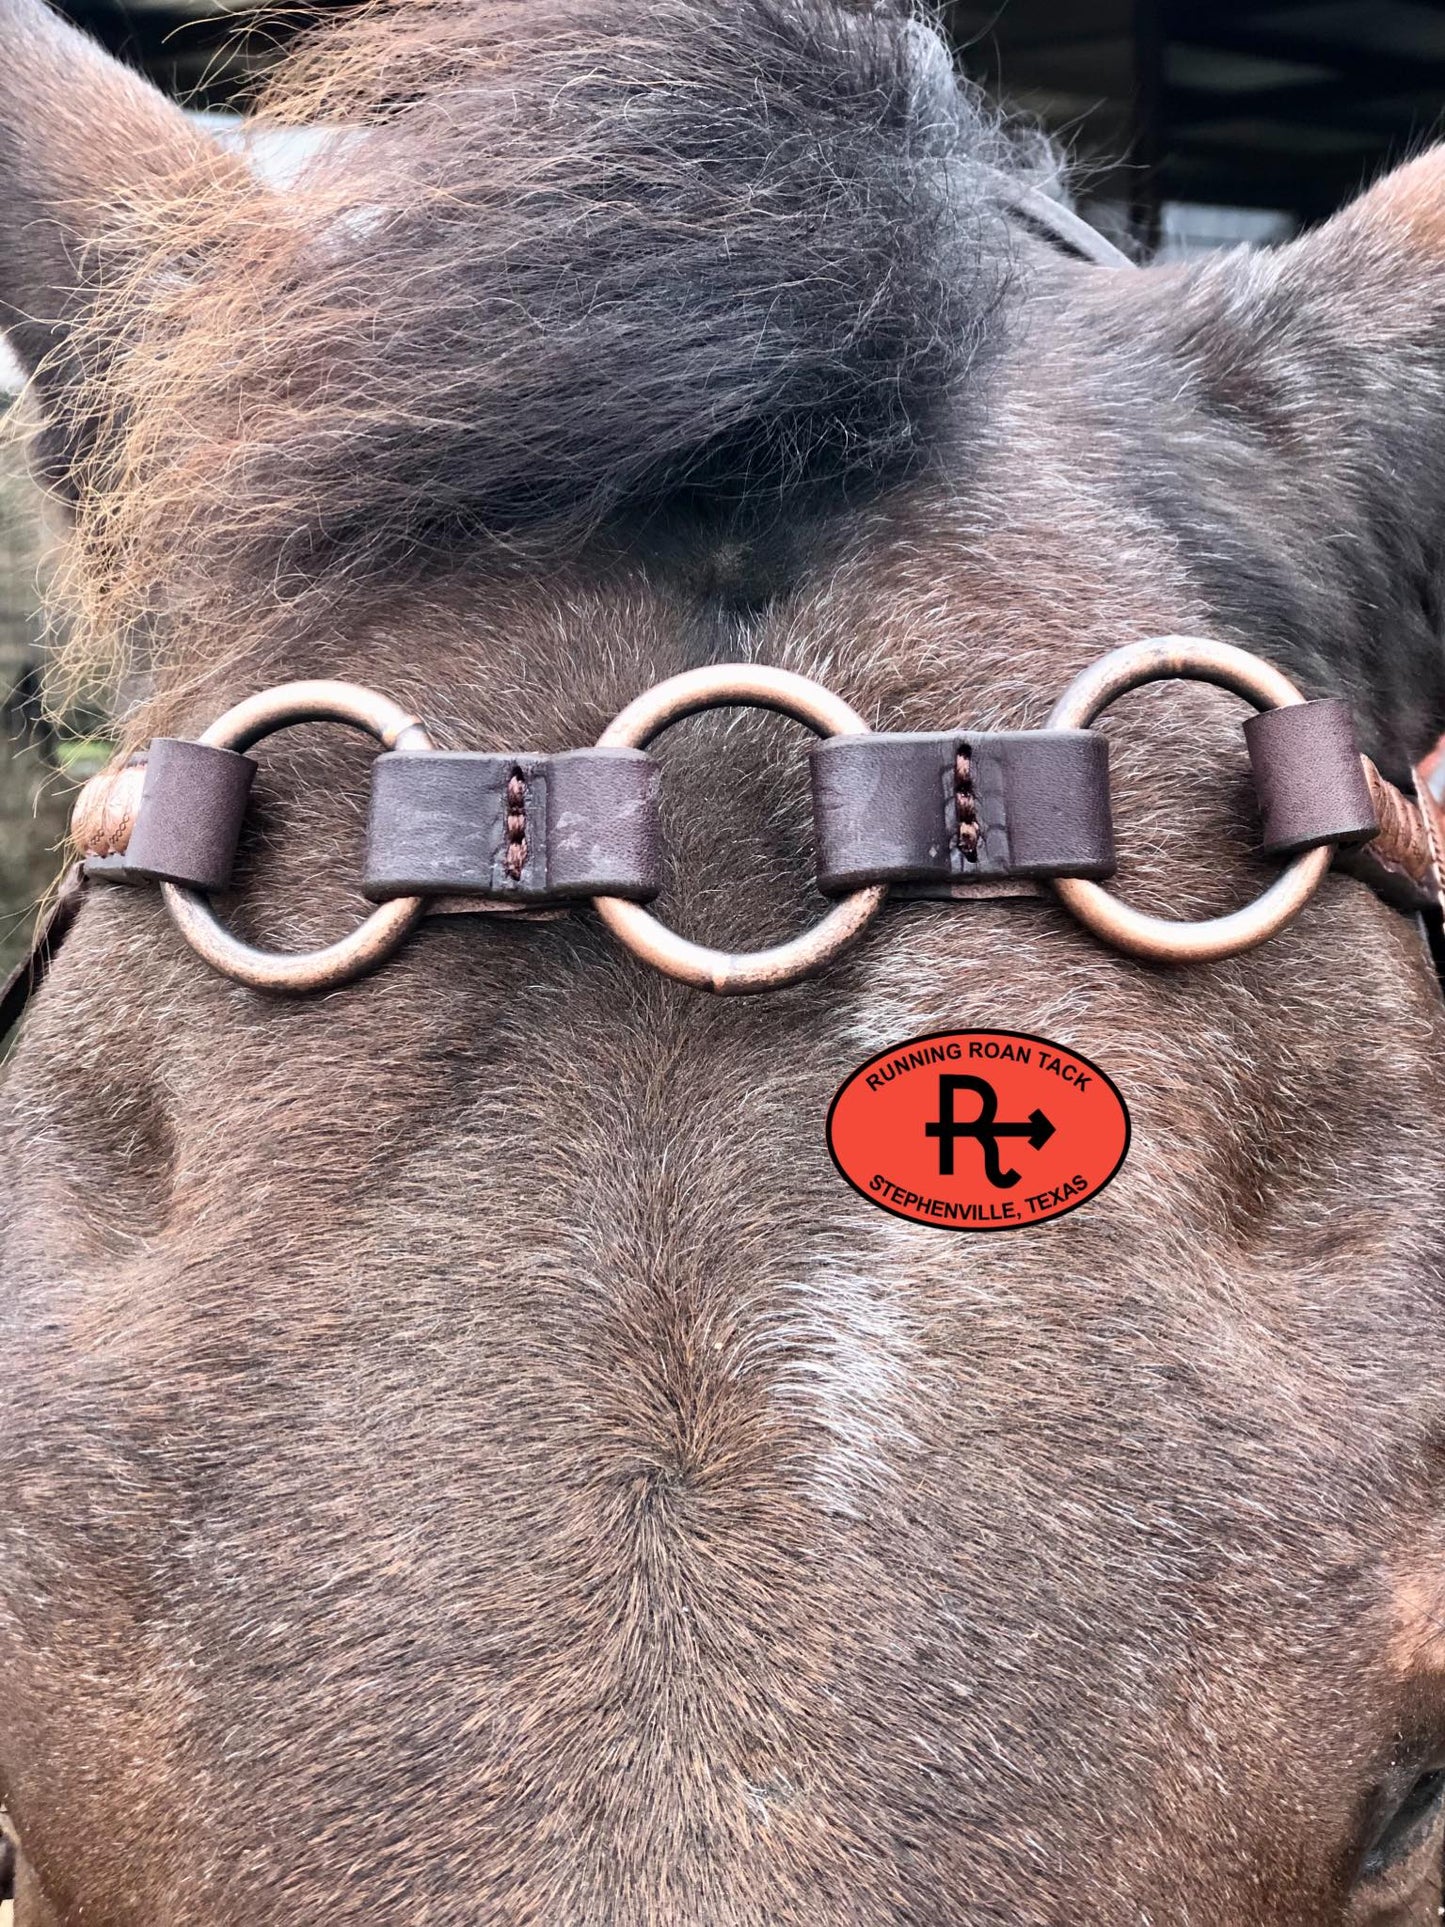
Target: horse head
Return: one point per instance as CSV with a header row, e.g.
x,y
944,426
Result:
x,y
465,1451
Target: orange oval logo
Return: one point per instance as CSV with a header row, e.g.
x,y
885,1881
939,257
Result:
x,y
978,1130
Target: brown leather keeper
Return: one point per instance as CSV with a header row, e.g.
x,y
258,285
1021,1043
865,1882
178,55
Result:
x,y
1310,780
886,808
581,824
192,806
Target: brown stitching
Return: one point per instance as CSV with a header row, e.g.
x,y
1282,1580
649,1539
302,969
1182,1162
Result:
x,y
969,831
516,859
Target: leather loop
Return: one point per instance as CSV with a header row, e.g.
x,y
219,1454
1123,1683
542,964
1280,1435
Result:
x,y
972,807
188,823
1310,778
525,829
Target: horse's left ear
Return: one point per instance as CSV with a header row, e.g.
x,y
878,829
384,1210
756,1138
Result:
x,y
80,137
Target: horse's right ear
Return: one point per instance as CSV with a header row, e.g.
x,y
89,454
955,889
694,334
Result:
x,y
1406,205
80,136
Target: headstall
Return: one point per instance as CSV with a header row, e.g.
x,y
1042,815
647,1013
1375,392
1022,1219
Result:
x,y
955,815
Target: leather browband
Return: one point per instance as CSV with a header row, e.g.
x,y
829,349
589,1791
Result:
x,y
975,807
985,806
534,831
949,814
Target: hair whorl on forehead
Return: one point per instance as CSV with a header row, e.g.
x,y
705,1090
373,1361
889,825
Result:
x,y
558,259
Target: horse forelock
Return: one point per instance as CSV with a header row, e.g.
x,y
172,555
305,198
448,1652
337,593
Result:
x,y
550,266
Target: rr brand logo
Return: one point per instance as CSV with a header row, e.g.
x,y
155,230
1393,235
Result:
x,y
920,1131
985,1127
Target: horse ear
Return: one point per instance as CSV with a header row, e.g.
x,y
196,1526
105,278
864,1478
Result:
x,y
80,136
1408,204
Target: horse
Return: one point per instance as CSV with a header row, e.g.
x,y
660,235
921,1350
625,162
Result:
x,y
466,1454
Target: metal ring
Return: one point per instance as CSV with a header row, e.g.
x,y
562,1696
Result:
x,y
736,973
385,929
1162,939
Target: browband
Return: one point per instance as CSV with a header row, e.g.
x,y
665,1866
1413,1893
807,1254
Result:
x,y
548,831
950,815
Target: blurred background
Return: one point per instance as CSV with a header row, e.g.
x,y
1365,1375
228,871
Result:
x,y
1196,124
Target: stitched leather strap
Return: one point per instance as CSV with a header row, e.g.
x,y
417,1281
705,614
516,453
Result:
x,y
966,808
529,829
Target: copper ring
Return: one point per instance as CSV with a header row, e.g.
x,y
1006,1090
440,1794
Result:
x,y
736,973
1161,939
385,929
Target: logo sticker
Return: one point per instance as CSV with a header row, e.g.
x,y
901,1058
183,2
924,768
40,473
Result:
x,y
978,1130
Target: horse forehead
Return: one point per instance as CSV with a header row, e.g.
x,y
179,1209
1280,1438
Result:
x,y
576,1234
